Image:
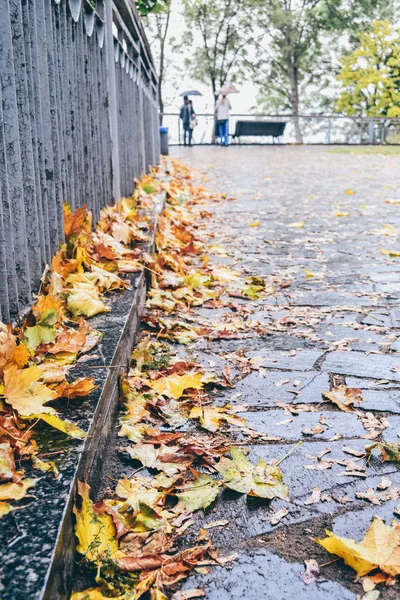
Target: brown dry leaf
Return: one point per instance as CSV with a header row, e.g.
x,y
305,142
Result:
x,y
378,497
276,517
7,463
212,418
344,397
187,594
384,484
349,450
313,430
380,548
76,389
315,497
311,573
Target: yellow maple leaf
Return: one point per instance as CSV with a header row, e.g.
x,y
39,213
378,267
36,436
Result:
x,y
94,594
380,547
297,225
224,275
350,192
211,418
65,426
24,393
5,508
95,532
84,300
174,385
340,213
392,253
16,491
255,224
389,230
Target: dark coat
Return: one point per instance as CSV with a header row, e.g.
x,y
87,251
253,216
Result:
x,y
186,114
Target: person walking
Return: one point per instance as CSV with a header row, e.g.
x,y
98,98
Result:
x,y
222,109
186,114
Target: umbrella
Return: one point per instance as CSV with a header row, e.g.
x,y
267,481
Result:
x,y
191,93
228,89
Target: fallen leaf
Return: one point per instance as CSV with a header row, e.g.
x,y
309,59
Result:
x,y
96,533
196,494
388,452
84,300
313,430
262,480
391,253
187,594
315,497
384,483
174,385
7,463
16,491
24,393
211,418
344,397
311,573
276,517
5,508
379,548
78,388
297,225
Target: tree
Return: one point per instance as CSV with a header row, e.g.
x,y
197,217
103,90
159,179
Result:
x,y
370,75
146,7
293,54
225,32
157,25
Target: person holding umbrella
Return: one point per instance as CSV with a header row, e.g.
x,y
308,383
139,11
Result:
x,y
186,114
222,108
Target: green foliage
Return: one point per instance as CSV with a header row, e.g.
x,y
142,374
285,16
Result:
x,y
295,58
150,6
370,75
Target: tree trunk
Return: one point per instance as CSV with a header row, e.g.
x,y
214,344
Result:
x,y
295,102
160,101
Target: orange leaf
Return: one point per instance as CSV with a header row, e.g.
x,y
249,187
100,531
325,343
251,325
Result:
x,y
77,222
78,388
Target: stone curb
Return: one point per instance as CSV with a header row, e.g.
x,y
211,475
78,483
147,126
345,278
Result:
x,y
37,552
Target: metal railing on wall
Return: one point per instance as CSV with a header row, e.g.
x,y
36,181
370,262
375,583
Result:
x,y
314,129
78,122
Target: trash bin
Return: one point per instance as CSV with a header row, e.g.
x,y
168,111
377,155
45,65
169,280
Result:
x,y
164,141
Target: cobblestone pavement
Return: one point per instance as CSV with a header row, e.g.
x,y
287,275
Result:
x,y
333,319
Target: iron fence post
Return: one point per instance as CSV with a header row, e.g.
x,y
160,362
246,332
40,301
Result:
x,y
112,102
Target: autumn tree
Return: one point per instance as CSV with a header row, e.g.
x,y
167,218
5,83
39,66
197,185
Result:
x,y
294,53
370,75
223,33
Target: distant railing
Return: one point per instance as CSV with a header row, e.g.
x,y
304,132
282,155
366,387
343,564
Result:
x,y
78,121
314,129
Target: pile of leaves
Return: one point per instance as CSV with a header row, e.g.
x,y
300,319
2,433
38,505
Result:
x,y
36,356
181,447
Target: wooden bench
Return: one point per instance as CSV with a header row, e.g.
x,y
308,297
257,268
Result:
x,y
259,128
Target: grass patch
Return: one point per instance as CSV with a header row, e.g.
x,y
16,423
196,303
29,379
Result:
x,y
384,150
